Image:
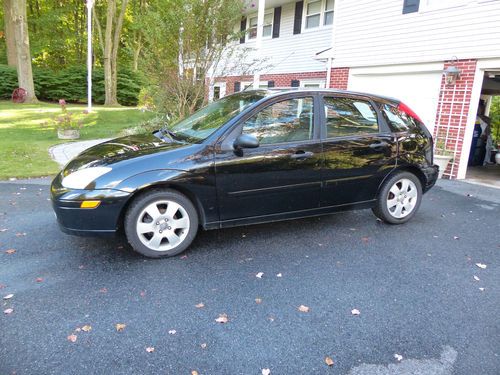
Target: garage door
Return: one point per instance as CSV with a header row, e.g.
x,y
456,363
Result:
x,y
419,90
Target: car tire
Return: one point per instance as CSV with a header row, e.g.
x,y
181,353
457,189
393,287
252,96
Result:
x,y
399,198
161,223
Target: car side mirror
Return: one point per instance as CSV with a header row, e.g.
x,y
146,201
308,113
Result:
x,y
245,141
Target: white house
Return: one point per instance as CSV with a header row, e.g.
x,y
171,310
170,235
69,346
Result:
x,y
398,48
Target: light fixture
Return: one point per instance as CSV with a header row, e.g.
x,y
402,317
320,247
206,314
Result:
x,y
452,73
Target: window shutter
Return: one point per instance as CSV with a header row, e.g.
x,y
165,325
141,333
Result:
x,y
410,6
237,86
270,84
276,22
297,22
295,83
243,29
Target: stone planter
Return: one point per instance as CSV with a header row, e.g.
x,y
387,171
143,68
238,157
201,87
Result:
x,y
497,157
68,134
442,161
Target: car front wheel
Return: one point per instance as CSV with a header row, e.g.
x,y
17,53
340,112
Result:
x,y
399,198
161,223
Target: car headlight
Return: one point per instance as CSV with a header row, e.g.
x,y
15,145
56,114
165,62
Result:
x,y
80,179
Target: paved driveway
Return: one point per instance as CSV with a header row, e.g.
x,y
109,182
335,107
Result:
x,y
413,285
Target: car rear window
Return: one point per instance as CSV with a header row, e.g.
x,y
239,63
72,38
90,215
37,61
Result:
x,y
397,120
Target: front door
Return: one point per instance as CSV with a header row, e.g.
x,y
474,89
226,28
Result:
x,y
359,150
283,174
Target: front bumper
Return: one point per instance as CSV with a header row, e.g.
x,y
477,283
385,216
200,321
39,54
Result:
x,y
431,176
102,220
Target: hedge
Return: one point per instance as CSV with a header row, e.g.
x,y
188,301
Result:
x,y
71,84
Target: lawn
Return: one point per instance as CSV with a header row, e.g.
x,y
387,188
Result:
x,y
25,136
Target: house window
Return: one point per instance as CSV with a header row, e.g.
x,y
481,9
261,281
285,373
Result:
x,y
267,28
329,12
312,83
318,13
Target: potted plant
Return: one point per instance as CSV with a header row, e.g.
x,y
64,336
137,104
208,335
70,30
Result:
x,y
66,124
442,157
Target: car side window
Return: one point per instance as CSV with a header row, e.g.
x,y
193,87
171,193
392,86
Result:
x,y
286,121
349,116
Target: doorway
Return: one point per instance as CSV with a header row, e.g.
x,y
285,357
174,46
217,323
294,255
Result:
x,y
483,165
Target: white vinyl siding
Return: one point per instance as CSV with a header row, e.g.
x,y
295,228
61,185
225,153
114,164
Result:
x,y
375,32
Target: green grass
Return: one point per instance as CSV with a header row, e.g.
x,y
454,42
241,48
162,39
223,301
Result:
x,y
25,136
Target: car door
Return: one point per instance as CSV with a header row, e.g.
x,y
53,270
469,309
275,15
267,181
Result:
x,y
283,174
358,148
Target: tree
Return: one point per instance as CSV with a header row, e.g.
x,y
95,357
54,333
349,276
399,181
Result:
x,y
185,42
110,44
21,35
9,34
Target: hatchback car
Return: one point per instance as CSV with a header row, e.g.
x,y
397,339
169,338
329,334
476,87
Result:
x,y
251,157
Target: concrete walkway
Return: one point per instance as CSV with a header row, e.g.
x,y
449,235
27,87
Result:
x,y
66,151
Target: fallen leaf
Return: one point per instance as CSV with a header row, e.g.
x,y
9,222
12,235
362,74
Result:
x,y
222,318
10,251
8,296
86,328
204,345
398,357
2,286
72,338
481,289
184,257
456,237
259,275
20,234
355,312
8,311
200,305
120,326
142,293
3,230
150,349
481,265
270,318
78,329
172,332
476,278
258,301
103,290
365,239
81,267
329,361
39,279
266,371
279,275
303,308
194,372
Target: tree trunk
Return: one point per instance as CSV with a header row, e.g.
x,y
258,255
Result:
x,y
111,46
24,72
10,38
110,99
137,51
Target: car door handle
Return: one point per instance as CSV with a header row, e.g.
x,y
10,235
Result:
x,y
302,155
378,145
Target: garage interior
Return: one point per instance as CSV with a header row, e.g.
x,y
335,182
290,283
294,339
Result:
x,y
484,157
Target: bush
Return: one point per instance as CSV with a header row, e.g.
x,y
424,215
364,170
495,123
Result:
x,y
71,84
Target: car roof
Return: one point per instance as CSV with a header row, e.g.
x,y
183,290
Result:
x,y
275,91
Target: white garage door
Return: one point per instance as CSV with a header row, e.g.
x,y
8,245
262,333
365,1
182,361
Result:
x,y
419,90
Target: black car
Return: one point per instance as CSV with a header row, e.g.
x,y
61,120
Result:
x,y
251,157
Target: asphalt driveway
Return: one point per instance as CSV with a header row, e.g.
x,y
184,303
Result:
x,y
421,309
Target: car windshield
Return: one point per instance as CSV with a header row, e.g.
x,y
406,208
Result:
x,y
207,120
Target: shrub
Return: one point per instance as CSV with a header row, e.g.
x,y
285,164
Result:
x,y
71,84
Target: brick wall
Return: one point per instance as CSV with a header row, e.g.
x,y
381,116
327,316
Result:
x,y
453,109
339,78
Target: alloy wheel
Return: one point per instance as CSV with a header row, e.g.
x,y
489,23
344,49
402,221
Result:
x,y
402,198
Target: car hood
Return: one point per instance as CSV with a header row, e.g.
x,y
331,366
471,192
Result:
x,y
121,149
